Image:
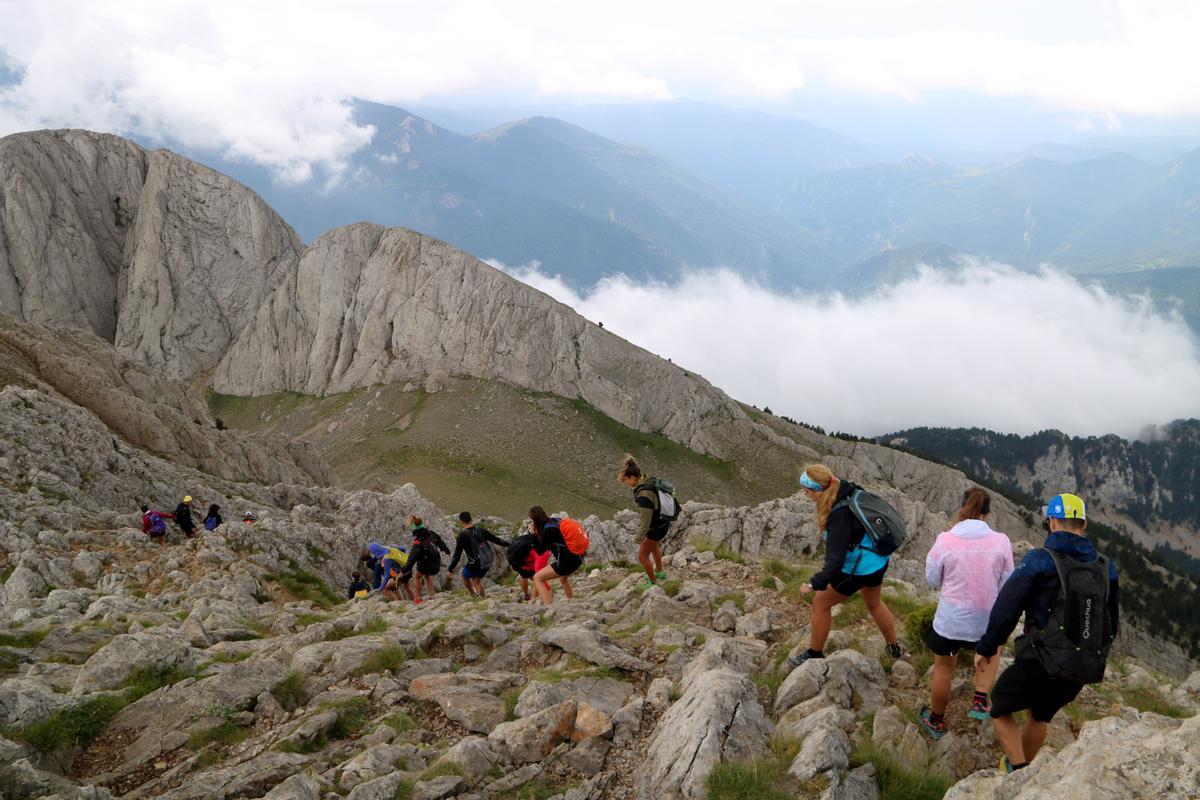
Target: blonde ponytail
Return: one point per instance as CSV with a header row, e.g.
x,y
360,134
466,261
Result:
x,y
825,477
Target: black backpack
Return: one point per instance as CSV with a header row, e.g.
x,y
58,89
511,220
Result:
x,y
883,524
1074,644
666,507
483,551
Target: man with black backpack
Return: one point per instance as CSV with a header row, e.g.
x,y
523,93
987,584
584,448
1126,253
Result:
x,y
473,540
1069,595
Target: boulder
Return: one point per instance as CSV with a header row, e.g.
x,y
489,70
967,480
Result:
x,y
592,645
473,755
757,624
531,739
114,663
298,787
718,718
825,750
838,678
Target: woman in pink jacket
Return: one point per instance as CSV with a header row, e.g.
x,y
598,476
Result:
x,y
968,564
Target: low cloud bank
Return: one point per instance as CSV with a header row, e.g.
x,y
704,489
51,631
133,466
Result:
x,y
987,346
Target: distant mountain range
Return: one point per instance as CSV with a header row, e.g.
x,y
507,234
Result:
x,y
651,189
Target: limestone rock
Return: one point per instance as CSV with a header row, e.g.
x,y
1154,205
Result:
x,y
373,305
120,658
594,646
67,203
473,755
185,292
718,718
1143,756
297,787
532,738
838,677
825,750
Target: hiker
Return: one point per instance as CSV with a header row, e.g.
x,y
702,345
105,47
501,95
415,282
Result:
x,y
213,518
850,564
566,542
423,558
1069,595
967,565
183,517
526,561
383,560
473,541
657,509
358,587
248,518
154,524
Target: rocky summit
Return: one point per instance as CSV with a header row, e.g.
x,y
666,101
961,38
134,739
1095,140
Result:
x,y
231,664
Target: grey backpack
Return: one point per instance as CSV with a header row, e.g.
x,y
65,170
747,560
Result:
x,y
885,528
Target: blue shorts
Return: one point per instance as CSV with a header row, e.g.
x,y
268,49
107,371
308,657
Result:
x,y
472,573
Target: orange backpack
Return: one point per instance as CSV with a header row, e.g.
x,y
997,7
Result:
x,y
574,535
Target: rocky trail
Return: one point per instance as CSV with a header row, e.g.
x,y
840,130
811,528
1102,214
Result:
x,y
202,671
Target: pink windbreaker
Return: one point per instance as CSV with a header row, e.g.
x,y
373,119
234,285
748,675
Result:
x,y
968,564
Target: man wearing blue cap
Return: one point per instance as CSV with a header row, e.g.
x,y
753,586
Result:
x,y
1069,595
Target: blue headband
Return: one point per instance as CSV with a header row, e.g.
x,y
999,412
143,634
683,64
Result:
x,y
809,483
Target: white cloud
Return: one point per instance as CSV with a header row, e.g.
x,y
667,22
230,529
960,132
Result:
x,y
267,80
988,346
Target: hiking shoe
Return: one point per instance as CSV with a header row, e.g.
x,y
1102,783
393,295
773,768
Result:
x,y
661,576
644,584
897,652
795,661
1006,765
979,709
936,730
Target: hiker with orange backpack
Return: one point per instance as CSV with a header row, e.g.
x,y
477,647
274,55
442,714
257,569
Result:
x,y
567,543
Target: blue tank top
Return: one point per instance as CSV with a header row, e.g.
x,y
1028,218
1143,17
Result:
x,y
861,560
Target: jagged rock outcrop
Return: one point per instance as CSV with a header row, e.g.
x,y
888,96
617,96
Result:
x,y
375,305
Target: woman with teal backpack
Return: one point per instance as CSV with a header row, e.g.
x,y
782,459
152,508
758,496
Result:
x,y
850,564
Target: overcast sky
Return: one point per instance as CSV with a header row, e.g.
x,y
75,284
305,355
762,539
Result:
x,y
268,81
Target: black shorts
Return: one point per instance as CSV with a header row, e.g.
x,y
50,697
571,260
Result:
x,y
849,584
1027,685
566,563
657,536
941,646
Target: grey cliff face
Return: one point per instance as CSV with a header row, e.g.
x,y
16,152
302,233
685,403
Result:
x,y
374,305
162,256
204,253
68,200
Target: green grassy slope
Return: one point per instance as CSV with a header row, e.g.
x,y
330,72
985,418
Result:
x,y
495,449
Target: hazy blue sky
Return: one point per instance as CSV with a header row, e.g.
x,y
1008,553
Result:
x,y
268,80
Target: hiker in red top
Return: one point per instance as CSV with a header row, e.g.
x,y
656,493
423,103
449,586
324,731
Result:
x,y
154,524
566,542
526,561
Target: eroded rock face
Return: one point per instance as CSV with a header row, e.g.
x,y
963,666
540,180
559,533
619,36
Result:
x,y
89,186
376,305
203,254
717,718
